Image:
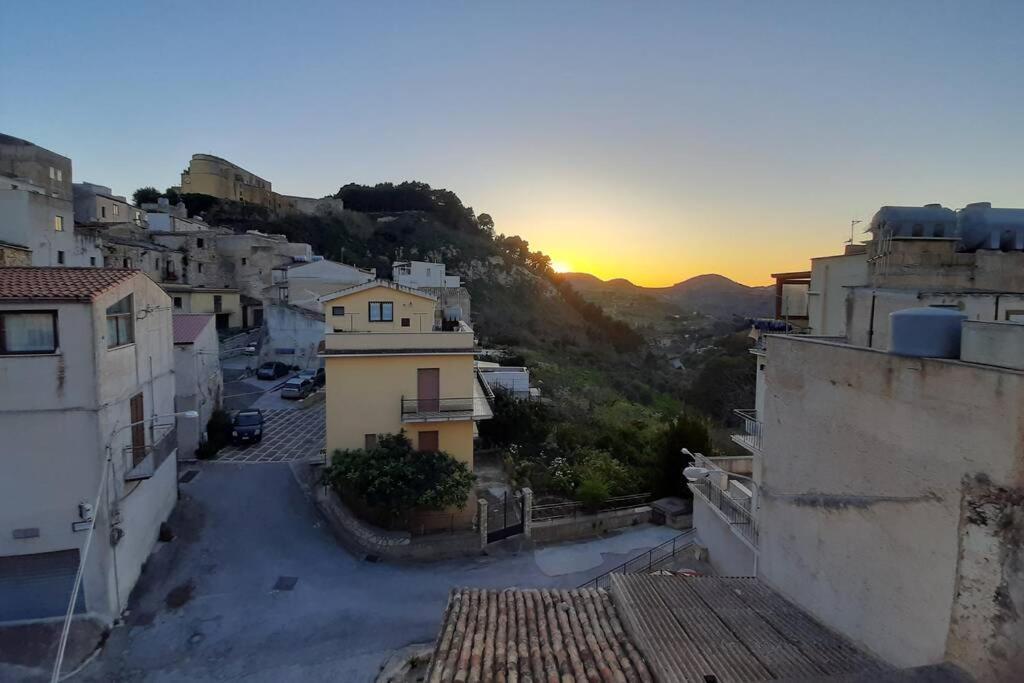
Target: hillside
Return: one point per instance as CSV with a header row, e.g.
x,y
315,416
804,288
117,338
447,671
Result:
x,y
713,295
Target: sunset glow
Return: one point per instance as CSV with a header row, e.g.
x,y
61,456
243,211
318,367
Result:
x,y
561,267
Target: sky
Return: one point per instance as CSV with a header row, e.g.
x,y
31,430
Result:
x,y
653,141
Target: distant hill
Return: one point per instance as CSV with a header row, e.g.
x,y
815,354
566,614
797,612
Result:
x,y
711,294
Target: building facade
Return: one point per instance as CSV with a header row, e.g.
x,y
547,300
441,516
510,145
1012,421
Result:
x,y
90,352
97,204
211,175
199,384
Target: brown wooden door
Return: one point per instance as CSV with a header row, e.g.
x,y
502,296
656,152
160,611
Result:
x,y
428,389
138,429
429,441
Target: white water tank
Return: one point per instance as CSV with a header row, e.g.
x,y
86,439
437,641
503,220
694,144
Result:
x,y
931,220
982,227
929,332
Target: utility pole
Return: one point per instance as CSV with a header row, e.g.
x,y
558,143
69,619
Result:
x,y
853,224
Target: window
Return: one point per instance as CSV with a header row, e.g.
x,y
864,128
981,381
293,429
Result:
x,y
429,441
177,302
103,212
218,303
127,263
200,242
337,310
245,261
382,311
199,267
156,263
117,210
60,175
282,294
120,325
138,216
370,442
58,223
92,260
60,258
53,173
405,322
28,332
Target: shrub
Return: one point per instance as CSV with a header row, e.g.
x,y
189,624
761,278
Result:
x,y
395,479
594,464
593,492
218,435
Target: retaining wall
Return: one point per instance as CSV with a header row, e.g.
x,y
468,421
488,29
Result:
x,y
586,526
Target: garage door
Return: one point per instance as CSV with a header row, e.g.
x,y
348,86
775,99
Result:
x,y
38,586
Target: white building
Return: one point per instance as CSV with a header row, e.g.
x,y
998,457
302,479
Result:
x,y
163,217
888,498
198,382
88,384
420,274
302,283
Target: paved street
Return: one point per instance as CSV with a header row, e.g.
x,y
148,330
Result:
x,y
288,434
207,609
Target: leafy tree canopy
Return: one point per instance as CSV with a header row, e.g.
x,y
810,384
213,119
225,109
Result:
x,y
145,195
395,478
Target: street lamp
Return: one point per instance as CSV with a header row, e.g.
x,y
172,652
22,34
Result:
x,y
55,677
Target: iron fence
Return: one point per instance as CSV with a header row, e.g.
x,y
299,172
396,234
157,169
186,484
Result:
x,y
751,436
735,510
645,562
575,508
442,408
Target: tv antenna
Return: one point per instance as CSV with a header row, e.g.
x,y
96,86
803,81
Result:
x,y
853,224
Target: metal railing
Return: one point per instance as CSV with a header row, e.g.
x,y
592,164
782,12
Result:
x,y
440,408
140,463
736,510
751,436
574,508
645,562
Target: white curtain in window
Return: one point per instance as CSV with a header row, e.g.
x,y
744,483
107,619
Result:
x,y
28,332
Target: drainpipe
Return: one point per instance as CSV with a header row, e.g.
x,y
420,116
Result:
x,y
871,323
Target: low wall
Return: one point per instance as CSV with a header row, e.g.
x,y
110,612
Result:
x,y
391,545
585,526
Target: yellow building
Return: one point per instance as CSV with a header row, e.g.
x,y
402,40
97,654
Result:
x,y
390,367
207,174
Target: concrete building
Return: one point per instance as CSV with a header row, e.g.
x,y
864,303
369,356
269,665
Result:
x,y
887,496
98,204
303,283
161,263
163,217
294,335
47,172
89,351
199,384
223,304
390,368
419,274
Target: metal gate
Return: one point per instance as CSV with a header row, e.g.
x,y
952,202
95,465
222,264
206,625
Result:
x,y
504,515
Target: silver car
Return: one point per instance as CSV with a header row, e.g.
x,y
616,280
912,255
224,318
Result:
x,y
297,388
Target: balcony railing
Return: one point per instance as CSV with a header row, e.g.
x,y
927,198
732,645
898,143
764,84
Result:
x,y
440,409
750,438
734,509
150,457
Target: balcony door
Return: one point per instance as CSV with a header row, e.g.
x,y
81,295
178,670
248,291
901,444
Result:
x,y
137,414
428,389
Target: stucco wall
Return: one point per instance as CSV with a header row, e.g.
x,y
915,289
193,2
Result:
x,y
364,397
831,278
419,310
726,553
28,219
864,458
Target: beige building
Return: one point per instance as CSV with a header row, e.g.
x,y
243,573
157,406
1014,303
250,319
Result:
x,y
47,171
89,350
208,174
390,368
223,304
887,496
97,204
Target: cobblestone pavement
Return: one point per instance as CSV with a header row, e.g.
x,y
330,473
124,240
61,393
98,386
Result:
x,y
287,435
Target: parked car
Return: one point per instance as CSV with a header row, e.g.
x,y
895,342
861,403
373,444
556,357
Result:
x,y
272,370
247,425
316,376
249,350
297,388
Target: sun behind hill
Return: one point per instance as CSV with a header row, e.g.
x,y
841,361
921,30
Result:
x,y
561,267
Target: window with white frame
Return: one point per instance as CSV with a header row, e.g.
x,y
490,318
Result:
x,y
120,323
28,332
58,223
382,311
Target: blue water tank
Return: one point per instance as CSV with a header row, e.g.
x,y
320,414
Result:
x,y
925,332
931,220
982,227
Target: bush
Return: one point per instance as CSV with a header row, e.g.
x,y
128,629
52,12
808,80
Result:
x,y
395,479
218,435
594,464
593,492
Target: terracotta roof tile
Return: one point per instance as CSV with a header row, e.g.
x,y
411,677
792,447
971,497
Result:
x,y
59,284
188,326
534,635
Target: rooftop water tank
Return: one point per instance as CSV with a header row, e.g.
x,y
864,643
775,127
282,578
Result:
x,y
932,220
453,313
982,227
925,332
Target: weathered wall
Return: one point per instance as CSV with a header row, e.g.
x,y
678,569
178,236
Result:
x,y
418,310
864,456
588,526
292,329
831,276
726,552
29,220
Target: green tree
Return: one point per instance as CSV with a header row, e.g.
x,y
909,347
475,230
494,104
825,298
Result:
x,y
145,195
486,223
172,195
686,430
515,421
395,479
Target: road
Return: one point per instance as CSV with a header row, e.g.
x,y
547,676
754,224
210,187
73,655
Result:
x,y
206,608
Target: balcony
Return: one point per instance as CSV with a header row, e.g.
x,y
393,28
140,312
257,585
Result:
x,y
445,409
731,500
368,343
750,437
150,457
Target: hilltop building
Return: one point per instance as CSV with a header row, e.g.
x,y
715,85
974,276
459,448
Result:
x,y
886,445
97,204
89,350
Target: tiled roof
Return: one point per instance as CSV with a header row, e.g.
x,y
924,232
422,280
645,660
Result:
x,y
59,284
188,326
538,635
